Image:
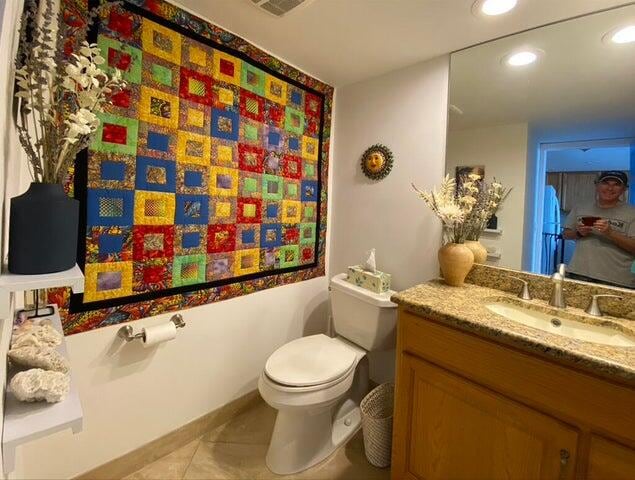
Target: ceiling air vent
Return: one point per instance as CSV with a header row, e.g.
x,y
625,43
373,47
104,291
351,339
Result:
x,y
279,7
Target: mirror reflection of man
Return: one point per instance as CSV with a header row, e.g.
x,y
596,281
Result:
x,y
604,232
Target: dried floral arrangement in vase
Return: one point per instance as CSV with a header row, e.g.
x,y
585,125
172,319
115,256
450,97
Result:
x,y
59,97
489,200
453,204
464,210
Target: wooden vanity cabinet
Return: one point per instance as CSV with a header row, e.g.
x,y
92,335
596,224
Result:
x,y
469,408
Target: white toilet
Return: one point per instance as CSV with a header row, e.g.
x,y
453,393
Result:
x,y
316,383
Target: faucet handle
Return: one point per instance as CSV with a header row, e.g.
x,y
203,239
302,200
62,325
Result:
x,y
524,292
594,307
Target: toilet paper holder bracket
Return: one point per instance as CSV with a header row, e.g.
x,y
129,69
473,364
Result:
x,y
127,332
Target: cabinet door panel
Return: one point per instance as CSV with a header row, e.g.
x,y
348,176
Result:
x,y
610,461
460,430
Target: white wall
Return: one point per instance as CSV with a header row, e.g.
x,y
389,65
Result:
x,y
503,152
405,110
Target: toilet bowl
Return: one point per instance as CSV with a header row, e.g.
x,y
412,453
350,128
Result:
x,y
316,383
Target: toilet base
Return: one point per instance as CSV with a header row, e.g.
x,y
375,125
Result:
x,y
300,441
304,436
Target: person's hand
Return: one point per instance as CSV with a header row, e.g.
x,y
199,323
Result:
x,y
602,227
584,230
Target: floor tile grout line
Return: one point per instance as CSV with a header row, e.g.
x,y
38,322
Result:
x,y
198,445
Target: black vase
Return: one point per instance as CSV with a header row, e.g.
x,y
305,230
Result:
x,y
43,230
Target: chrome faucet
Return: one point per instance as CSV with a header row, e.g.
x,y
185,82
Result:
x,y
594,307
557,294
524,292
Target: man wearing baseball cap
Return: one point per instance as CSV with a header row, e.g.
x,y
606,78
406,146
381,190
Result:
x,y
604,232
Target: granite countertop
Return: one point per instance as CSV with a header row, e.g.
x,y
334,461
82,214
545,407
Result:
x,y
464,308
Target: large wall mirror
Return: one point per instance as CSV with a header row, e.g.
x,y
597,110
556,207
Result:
x,y
551,113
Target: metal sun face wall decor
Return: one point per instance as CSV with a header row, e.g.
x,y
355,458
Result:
x,y
207,176
377,162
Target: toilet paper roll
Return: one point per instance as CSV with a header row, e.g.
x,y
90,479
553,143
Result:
x,y
159,333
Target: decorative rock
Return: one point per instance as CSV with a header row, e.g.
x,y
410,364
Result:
x,y
36,385
45,358
41,334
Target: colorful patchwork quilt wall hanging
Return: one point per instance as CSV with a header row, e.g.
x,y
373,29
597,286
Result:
x,y
207,178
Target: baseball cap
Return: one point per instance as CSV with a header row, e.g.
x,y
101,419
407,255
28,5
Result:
x,y
614,175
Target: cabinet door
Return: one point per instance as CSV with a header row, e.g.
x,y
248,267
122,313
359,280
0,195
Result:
x,y
451,428
610,461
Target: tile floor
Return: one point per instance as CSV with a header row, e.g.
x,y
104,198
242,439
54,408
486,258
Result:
x,y
236,451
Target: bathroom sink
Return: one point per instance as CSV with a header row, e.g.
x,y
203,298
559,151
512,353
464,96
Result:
x,y
562,326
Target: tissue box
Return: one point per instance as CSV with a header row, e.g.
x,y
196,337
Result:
x,y
378,282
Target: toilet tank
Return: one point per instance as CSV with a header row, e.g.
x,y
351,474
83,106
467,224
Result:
x,y
365,318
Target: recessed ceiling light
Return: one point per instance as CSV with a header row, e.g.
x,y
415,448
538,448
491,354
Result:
x,y
493,7
621,35
521,58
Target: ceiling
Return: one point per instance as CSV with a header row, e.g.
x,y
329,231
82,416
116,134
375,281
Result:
x,y
345,41
578,79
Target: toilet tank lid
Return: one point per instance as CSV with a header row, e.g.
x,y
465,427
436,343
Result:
x,y
340,283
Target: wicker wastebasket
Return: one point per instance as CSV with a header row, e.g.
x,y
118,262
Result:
x,y
377,413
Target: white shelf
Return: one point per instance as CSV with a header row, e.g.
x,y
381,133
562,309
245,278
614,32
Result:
x,y
24,422
493,231
10,282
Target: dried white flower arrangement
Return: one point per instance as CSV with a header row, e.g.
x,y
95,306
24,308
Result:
x,y
59,94
466,208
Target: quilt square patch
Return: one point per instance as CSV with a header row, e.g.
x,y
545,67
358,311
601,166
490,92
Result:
x,y
190,239
192,178
225,124
221,238
152,241
110,207
161,41
109,244
192,209
188,269
155,174
220,266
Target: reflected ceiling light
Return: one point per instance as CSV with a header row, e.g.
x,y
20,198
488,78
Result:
x,y
521,58
621,35
493,7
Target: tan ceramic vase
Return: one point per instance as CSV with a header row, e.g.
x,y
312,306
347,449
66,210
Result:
x,y
455,260
479,251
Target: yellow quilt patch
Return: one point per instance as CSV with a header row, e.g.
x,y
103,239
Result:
x,y
226,68
195,117
161,41
223,182
159,108
276,89
225,154
153,208
193,148
107,280
310,148
225,96
198,56
223,209
247,261
291,211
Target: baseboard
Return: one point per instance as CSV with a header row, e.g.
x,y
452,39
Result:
x,y
136,459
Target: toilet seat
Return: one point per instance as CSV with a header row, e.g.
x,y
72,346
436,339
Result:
x,y
314,361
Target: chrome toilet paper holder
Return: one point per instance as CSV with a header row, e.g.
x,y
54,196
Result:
x,y
127,333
